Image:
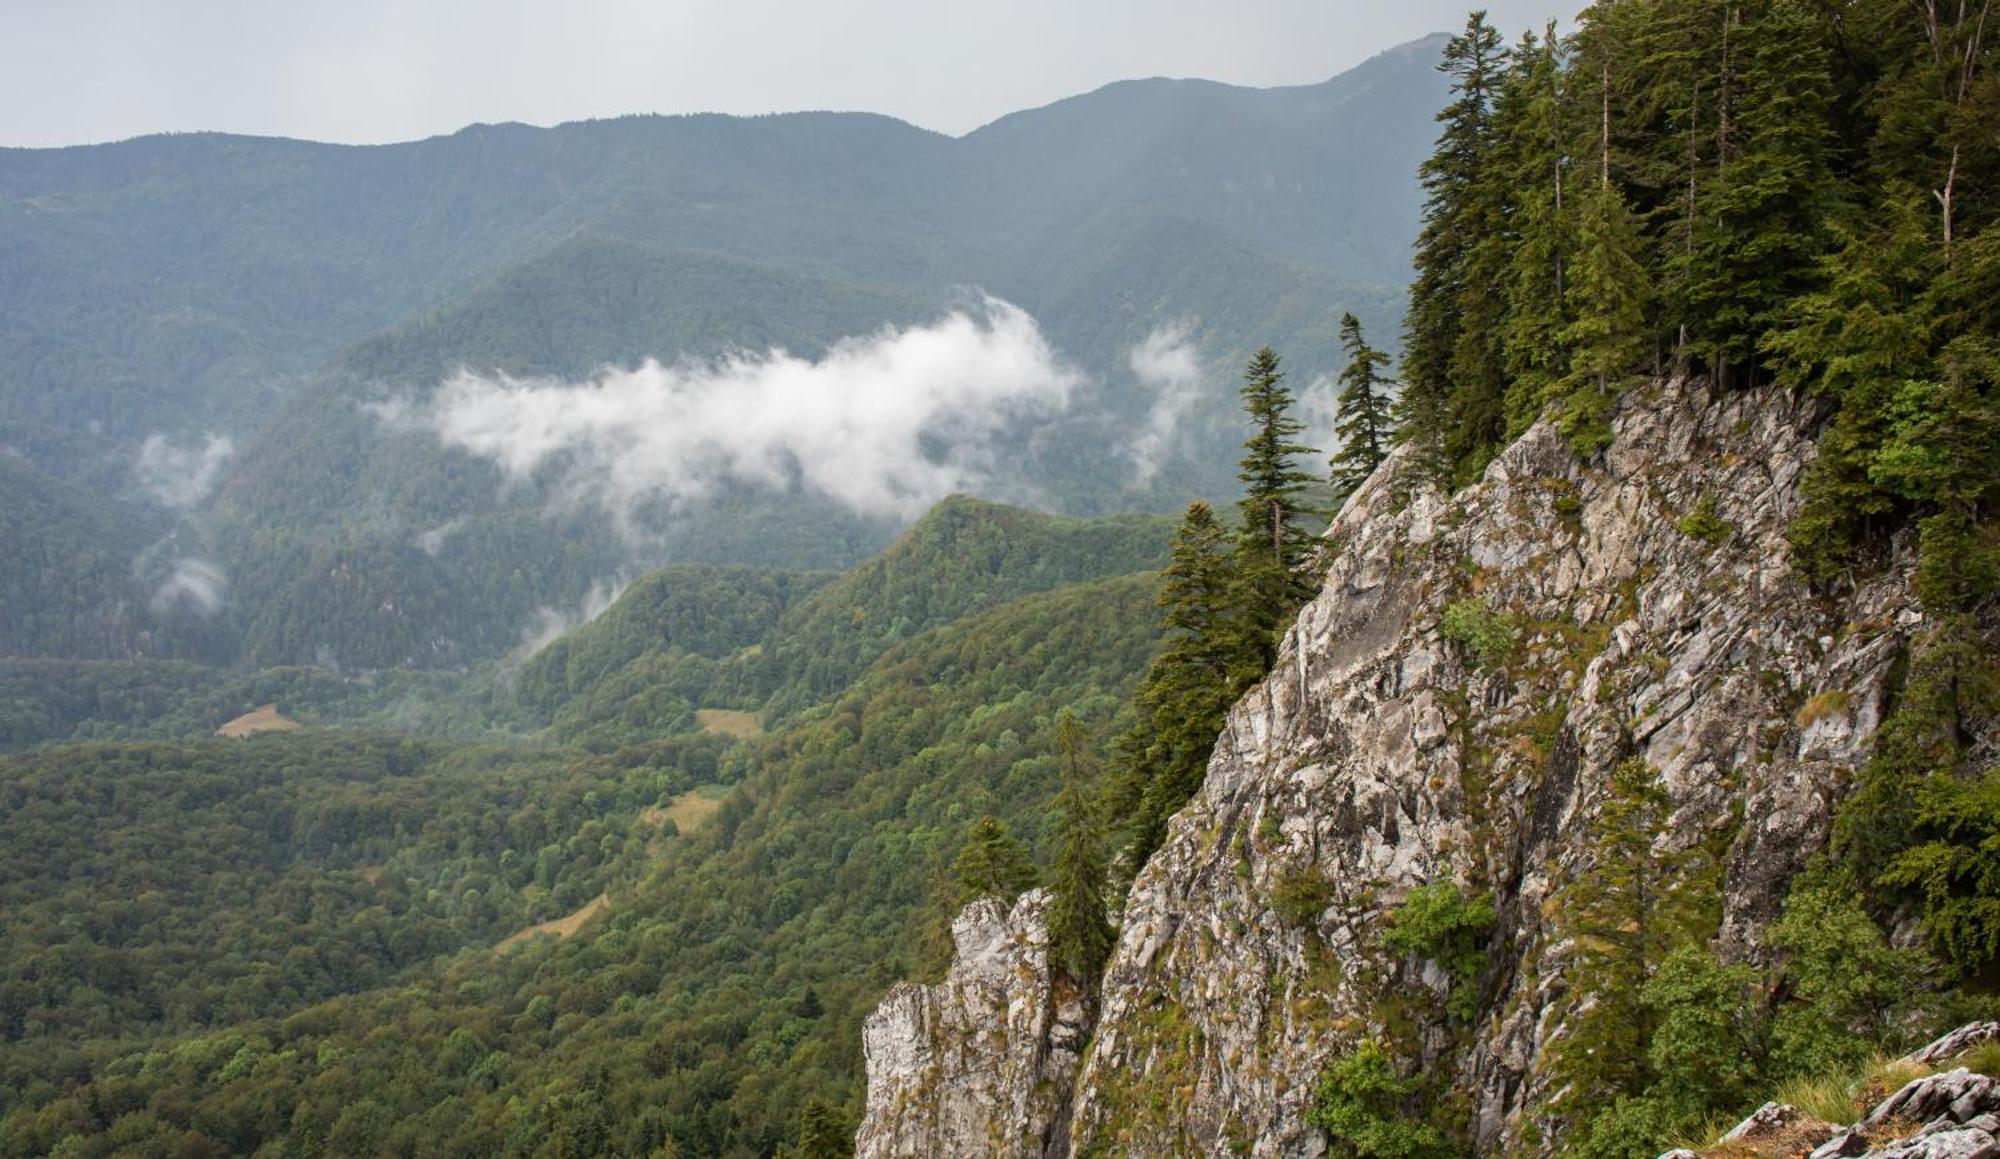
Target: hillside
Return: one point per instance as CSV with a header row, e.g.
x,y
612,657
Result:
x,y
744,899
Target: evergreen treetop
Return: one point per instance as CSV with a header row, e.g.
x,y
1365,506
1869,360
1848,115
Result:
x,y
1363,423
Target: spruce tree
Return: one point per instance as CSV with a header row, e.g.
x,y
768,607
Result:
x,y
1532,124
1459,218
1763,226
1079,932
1623,917
1201,667
991,864
824,1133
1272,545
1363,423
1607,298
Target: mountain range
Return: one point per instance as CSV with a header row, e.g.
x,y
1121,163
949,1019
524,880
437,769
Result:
x,y
200,335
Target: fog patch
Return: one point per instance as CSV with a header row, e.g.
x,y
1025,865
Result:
x,y
1170,366
1318,411
430,541
180,477
193,584
549,624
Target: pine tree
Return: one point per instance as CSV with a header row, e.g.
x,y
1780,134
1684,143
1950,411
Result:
x,y
824,1133
1079,932
1272,545
1364,410
991,864
1533,130
1763,227
1200,669
1607,298
1623,917
1458,213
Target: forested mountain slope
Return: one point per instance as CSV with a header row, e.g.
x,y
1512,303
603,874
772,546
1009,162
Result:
x,y
298,930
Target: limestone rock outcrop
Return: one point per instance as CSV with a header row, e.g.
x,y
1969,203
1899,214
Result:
x,y
981,1063
1645,606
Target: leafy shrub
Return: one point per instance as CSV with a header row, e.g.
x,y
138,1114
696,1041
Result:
x,y
1299,896
1363,1106
1486,635
1704,524
1441,924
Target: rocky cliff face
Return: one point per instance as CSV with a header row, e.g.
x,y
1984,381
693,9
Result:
x,y
984,1062
1653,614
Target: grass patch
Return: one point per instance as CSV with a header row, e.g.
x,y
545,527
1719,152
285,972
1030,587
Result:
x,y
689,811
264,719
1822,706
730,722
561,927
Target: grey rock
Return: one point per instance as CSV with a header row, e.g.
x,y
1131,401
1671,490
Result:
x,y
1774,1119
1954,1044
1957,1143
1957,1095
980,1064
1377,756
1845,1143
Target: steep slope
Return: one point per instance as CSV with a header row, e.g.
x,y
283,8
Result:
x,y
1450,708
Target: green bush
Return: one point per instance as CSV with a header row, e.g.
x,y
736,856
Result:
x,y
1364,1107
1486,635
1441,924
1300,896
1704,524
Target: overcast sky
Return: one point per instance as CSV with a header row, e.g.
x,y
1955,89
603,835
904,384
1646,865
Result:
x,y
387,70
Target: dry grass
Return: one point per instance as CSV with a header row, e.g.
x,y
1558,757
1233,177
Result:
x,y
730,722
690,811
561,927
1837,1100
1984,1058
265,719
1822,706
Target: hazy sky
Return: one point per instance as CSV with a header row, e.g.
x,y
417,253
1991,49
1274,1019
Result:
x,y
384,70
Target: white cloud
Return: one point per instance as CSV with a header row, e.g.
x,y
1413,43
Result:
x,y
1318,412
430,541
886,423
193,583
550,624
1171,366
180,477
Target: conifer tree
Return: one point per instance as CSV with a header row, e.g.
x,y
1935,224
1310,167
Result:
x,y
1201,667
1623,917
1763,227
824,1133
1364,410
991,864
1533,128
1079,932
1607,298
1272,545
1458,212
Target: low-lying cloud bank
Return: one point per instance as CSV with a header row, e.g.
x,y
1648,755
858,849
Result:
x,y
1168,363
886,424
180,477
193,584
